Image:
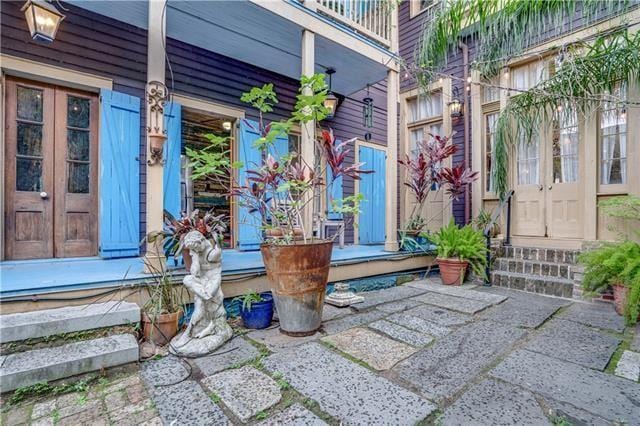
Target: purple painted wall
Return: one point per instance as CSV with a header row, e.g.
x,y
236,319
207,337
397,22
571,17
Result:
x,y
102,46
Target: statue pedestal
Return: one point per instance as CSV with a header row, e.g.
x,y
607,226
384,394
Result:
x,y
184,345
342,296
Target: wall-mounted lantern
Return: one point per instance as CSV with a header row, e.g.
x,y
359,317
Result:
x,y
157,96
331,101
367,114
43,20
455,106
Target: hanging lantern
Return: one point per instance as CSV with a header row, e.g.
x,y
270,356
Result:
x,y
331,101
43,20
455,106
367,114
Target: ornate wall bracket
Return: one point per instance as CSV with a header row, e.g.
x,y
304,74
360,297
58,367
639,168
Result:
x,y
157,97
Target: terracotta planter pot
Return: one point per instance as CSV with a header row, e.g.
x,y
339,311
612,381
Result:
x,y
620,293
298,275
162,329
452,270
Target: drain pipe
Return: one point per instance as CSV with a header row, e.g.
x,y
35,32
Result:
x,y
467,148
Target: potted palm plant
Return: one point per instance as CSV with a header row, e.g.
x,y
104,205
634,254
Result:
x,y
459,248
278,191
162,311
426,175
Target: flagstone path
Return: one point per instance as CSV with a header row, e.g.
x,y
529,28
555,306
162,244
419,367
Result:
x,y
421,353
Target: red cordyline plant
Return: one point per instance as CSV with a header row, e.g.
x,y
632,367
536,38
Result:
x,y
425,173
282,186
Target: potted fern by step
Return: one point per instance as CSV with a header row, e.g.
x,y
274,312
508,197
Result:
x,y
460,248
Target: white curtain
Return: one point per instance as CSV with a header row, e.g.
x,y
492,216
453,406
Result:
x,y
569,148
608,144
529,161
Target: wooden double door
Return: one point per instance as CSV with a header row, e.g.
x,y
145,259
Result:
x,y
548,182
51,171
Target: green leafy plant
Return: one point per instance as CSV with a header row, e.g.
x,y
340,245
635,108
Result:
x,y
625,208
248,300
614,264
483,220
464,243
162,299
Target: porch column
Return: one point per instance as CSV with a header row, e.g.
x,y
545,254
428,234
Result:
x,y
391,178
154,190
308,144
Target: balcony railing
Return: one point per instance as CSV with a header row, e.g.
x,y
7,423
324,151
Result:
x,y
371,18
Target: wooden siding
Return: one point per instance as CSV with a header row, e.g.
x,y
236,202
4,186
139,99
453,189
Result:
x,y
102,46
89,43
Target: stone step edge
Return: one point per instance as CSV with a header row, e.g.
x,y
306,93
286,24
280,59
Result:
x,y
566,281
66,361
545,262
49,322
502,264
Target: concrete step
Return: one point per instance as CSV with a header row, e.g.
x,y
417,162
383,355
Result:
x,y
44,365
49,322
535,267
541,254
552,286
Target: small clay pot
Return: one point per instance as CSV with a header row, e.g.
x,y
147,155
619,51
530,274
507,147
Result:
x,y
452,270
620,293
162,328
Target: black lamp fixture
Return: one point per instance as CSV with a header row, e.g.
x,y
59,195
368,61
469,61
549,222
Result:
x,y
455,106
43,20
367,114
331,101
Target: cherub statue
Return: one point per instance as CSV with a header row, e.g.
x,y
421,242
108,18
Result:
x,y
208,329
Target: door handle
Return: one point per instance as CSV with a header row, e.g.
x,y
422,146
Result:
x,y
550,186
540,187
44,195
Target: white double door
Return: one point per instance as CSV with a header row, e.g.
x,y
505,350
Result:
x,y
547,178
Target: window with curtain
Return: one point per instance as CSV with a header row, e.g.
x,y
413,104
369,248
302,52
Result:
x,y
491,91
529,160
527,76
424,116
490,120
613,140
566,148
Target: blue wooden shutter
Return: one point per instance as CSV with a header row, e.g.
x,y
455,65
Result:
x,y
248,223
334,192
119,174
371,222
172,151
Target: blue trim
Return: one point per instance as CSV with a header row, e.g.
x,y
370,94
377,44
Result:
x,y
172,164
20,278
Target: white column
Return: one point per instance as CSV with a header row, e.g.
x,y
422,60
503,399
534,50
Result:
x,y
307,148
155,72
391,177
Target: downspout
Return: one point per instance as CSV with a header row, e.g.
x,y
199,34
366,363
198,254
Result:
x,y
466,117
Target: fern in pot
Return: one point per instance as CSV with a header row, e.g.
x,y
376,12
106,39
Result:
x,y
162,310
460,248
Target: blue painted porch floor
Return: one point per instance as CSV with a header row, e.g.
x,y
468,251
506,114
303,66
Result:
x,y
29,277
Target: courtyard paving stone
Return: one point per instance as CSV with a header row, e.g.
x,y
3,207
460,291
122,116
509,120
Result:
x,y
459,304
345,323
401,333
186,403
601,394
276,341
398,305
466,291
245,391
576,343
495,403
379,352
439,315
444,368
164,371
378,297
419,324
629,366
600,315
345,390
234,352
522,309
330,312
294,415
